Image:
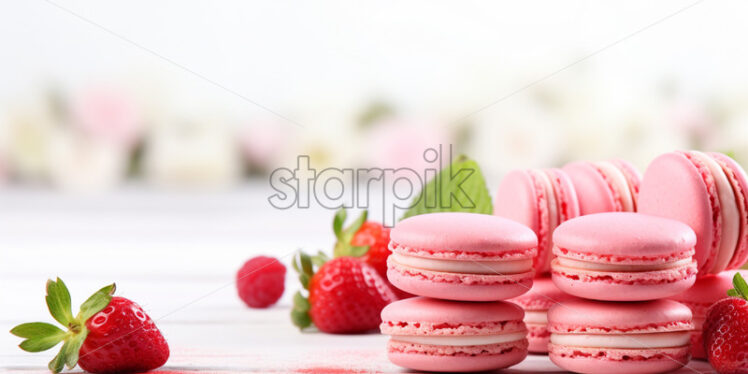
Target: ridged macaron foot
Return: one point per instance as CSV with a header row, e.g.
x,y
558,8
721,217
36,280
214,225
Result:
x,y
543,295
623,257
705,292
451,336
540,199
461,256
604,186
619,338
707,191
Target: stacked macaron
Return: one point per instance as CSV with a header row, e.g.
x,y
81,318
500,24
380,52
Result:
x,y
624,264
461,265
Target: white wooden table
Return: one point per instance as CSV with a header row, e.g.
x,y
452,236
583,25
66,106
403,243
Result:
x,y
176,253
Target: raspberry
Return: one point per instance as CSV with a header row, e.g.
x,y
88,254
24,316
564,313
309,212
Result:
x,y
260,282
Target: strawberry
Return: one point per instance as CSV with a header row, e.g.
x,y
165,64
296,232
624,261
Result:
x,y
726,328
109,334
346,295
365,239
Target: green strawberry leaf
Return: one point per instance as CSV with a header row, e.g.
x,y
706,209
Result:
x,y
337,223
343,246
733,293
58,301
459,187
741,287
72,348
41,338
35,329
300,311
320,258
58,363
98,301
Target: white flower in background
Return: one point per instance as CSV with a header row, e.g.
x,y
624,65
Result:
x,y
192,153
80,163
108,115
28,131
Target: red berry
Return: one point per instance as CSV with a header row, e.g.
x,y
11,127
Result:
x,y
260,282
122,338
724,334
346,296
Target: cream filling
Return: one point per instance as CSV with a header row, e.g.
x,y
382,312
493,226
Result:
x,y
620,182
578,264
636,341
461,340
728,211
538,317
469,267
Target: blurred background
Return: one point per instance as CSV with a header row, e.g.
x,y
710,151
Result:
x,y
134,130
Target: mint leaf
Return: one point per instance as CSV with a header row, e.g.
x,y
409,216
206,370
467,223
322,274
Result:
x,y
459,187
58,301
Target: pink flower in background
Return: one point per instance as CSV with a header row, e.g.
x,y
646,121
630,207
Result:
x,y
400,143
262,144
108,114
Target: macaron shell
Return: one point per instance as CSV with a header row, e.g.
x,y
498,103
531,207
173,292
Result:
x,y
423,309
688,203
456,286
456,359
739,181
593,192
463,232
522,198
618,361
624,237
590,316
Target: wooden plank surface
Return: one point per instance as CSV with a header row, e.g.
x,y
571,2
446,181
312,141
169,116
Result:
x,y
176,254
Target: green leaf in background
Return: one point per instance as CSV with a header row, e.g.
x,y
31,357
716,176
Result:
x,y
460,187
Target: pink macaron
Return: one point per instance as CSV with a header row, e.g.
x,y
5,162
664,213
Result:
x,y
543,295
628,338
623,257
452,336
707,191
605,186
705,292
540,199
461,256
